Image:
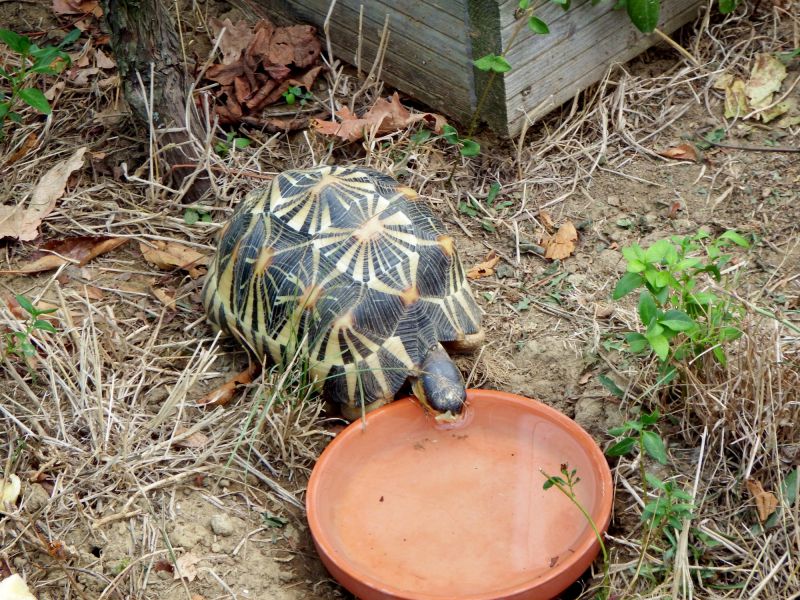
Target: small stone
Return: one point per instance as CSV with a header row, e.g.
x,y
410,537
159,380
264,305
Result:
x,y
613,200
36,497
221,524
223,483
216,547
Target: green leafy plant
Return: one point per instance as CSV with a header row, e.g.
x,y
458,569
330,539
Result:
x,y
666,512
466,146
639,434
681,319
33,61
223,147
297,94
19,342
193,215
565,483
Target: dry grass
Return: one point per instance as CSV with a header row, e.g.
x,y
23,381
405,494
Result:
x,y
104,427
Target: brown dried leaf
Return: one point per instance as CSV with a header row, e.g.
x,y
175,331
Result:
x,y
224,393
29,143
194,440
163,565
386,116
766,502
172,255
224,74
163,296
79,250
562,244
235,39
77,7
23,223
296,45
102,61
685,151
485,268
186,566
546,220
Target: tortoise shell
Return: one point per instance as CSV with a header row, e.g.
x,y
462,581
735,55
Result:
x,y
347,268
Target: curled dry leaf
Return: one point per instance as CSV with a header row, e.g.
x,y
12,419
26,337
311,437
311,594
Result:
x,y
766,502
23,223
386,116
102,61
172,255
234,40
29,143
224,393
485,268
186,566
77,7
193,440
78,250
546,220
259,64
765,79
163,296
562,244
685,151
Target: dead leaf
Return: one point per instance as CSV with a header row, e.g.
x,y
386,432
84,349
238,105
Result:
x,y
224,393
102,61
685,151
30,142
172,255
546,220
23,223
93,293
19,313
234,39
54,89
194,440
735,98
77,7
163,566
81,76
765,79
485,268
14,587
164,297
78,250
186,566
386,116
297,45
766,502
562,244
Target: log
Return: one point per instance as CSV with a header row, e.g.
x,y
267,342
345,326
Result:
x,y
143,34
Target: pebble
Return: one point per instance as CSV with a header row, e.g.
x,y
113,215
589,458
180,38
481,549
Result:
x,y
221,524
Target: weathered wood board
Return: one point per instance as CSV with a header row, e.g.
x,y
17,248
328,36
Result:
x,y
432,44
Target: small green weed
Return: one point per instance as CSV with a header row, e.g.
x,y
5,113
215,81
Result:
x,y
193,215
297,94
681,320
33,61
565,483
223,147
666,513
19,342
639,434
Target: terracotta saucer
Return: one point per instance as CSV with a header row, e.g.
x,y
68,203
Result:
x,y
404,508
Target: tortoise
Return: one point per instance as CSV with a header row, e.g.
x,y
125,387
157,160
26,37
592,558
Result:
x,y
353,272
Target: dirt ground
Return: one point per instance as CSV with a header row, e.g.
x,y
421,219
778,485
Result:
x,y
127,483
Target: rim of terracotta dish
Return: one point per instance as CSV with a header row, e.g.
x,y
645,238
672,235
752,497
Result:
x,y
601,516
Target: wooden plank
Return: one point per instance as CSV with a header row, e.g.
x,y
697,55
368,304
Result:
x,y
563,83
484,28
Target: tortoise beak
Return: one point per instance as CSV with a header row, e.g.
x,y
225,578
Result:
x,y
444,410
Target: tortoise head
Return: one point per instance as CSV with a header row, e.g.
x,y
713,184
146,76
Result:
x,y
439,387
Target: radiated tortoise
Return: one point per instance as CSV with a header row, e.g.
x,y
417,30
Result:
x,y
354,271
